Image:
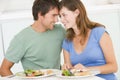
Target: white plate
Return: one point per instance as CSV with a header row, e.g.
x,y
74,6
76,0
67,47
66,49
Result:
x,y
22,74
92,73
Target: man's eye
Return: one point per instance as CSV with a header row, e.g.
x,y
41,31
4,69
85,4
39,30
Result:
x,y
63,15
55,15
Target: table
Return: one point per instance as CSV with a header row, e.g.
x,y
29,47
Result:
x,y
52,78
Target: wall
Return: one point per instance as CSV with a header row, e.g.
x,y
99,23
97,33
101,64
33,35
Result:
x,y
13,5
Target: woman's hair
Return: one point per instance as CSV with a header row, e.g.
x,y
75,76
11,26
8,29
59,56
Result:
x,y
43,7
82,20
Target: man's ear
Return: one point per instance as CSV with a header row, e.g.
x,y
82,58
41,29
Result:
x,y
40,16
77,12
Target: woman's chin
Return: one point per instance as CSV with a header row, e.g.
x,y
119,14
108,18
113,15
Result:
x,y
67,27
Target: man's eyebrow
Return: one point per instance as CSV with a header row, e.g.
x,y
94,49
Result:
x,y
55,14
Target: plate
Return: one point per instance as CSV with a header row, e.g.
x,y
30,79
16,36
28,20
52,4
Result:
x,y
92,73
23,75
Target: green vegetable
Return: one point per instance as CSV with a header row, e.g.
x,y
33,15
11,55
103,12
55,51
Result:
x,y
66,73
29,71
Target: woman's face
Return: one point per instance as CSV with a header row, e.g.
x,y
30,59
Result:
x,y
68,18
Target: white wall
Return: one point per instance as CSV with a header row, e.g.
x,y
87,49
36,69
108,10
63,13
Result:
x,y
99,2
12,5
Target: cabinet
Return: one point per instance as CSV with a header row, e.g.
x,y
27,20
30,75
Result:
x,y
1,47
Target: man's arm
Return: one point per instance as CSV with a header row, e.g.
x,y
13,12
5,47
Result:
x,y
5,68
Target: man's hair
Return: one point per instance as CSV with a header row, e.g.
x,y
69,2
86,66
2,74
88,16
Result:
x,y
43,7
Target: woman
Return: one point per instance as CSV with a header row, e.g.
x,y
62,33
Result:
x,y
87,44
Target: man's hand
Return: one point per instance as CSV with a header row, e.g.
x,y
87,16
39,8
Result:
x,y
5,68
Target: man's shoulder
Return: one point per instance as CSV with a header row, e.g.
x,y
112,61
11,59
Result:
x,y
26,29
23,32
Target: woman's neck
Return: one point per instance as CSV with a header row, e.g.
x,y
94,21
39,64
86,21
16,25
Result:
x,y
76,30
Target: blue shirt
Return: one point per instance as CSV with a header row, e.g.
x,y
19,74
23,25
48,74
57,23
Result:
x,y
92,55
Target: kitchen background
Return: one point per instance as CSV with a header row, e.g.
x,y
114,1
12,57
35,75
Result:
x,y
16,15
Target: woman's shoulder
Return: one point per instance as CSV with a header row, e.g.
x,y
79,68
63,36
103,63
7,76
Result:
x,y
99,28
97,32
66,41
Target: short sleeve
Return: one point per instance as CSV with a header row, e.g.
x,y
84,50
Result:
x,y
98,32
15,50
65,45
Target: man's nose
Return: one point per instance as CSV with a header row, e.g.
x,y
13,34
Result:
x,y
56,19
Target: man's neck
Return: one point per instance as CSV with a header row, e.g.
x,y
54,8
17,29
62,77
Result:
x,y
38,27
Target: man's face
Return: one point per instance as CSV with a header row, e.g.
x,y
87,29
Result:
x,y
49,19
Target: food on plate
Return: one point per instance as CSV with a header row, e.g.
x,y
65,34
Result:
x,y
82,73
73,72
33,73
30,73
49,71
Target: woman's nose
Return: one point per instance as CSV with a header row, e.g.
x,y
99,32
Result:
x,y
62,19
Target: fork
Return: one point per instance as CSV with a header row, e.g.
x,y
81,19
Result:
x,y
70,72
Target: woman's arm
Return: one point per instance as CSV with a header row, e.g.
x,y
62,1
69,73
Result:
x,y
107,48
67,64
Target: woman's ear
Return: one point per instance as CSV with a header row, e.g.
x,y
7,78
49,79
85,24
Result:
x,y
77,12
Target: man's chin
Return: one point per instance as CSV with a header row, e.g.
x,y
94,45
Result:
x,y
52,27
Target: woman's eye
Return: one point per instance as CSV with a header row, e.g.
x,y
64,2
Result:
x,y
64,15
60,16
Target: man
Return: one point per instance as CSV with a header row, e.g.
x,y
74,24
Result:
x,y
39,45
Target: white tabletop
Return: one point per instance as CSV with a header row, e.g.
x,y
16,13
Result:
x,y
56,75
54,78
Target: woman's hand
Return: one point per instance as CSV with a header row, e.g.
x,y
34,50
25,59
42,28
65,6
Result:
x,y
80,67
66,66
